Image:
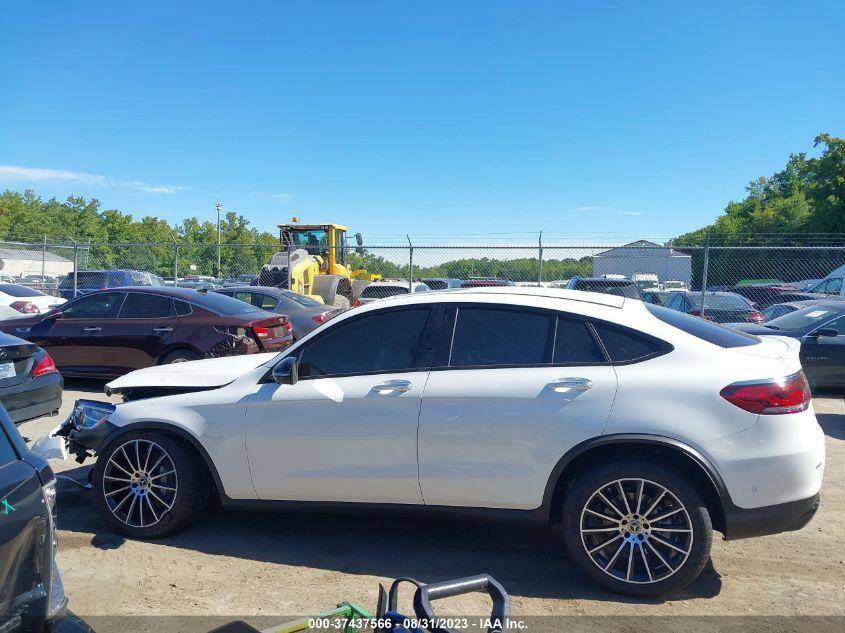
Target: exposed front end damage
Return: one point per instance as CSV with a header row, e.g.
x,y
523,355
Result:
x,y
80,435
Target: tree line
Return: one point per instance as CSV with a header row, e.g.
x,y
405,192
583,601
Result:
x,y
789,208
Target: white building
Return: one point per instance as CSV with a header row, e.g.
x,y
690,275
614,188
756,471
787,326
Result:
x,y
15,262
643,256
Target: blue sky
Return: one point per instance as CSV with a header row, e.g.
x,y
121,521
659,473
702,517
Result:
x,y
432,118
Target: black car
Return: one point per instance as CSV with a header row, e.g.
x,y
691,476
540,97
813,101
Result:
x,y
821,330
30,384
605,285
32,597
305,313
720,307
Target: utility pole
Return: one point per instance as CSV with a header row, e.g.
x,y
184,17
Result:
x,y
218,206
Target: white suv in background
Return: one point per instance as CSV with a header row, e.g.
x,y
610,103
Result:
x,y
635,429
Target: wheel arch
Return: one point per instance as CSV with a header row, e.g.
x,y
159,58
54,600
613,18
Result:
x,y
174,431
691,462
178,347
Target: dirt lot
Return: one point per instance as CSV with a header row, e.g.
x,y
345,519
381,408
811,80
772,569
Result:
x,y
250,564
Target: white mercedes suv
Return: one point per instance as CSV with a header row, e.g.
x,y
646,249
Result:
x,y
633,429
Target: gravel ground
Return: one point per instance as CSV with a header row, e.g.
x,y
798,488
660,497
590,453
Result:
x,y
255,564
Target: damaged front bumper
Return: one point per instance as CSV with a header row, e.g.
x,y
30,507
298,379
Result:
x,y
80,435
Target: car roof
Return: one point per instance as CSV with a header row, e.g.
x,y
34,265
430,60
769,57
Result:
x,y
464,294
168,291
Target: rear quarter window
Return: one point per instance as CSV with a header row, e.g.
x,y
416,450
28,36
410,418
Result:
x,y
709,331
624,345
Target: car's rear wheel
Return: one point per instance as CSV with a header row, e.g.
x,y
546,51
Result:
x,y
637,528
149,484
179,356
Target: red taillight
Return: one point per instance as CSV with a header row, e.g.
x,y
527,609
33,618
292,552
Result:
x,y
44,366
325,316
288,327
26,307
260,331
787,395
357,303
756,317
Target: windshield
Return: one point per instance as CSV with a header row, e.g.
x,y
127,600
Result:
x,y
222,304
315,241
701,328
806,318
308,302
719,302
380,292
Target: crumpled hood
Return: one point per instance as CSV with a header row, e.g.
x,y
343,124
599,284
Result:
x,y
197,374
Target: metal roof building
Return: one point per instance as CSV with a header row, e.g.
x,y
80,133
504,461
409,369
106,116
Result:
x,y
643,256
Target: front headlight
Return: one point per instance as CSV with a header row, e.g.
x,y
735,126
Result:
x,y
89,414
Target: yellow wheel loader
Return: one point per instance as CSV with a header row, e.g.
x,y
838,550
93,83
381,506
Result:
x,y
313,261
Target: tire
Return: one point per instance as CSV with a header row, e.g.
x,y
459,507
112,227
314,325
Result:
x,y
341,302
179,356
644,572
176,499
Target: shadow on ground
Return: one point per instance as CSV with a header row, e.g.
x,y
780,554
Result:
x,y
529,561
832,424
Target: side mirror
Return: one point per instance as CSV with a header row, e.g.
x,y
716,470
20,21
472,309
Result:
x,y
359,240
826,331
286,371
55,316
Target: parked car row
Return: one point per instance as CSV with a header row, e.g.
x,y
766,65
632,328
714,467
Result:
x,y
110,332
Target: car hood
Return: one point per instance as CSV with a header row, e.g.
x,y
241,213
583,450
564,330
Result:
x,y
197,374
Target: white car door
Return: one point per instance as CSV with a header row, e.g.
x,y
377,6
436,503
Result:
x,y
347,429
519,388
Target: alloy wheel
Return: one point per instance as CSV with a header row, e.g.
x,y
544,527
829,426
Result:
x,y
140,483
636,531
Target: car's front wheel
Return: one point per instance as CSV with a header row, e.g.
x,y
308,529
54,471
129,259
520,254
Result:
x,y
637,528
149,484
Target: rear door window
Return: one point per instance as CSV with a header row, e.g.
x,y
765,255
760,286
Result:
x,y
139,305
575,344
499,337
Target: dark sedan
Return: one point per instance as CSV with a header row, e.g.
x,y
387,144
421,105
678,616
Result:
x,y
305,313
821,330
30,384
111,332
721,307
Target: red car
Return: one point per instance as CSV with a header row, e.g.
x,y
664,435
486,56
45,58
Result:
x,y
111,332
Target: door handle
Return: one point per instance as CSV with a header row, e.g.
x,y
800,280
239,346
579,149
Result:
x,y
392,386
565,385
92,329
162,330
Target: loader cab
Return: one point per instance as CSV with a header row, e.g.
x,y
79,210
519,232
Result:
x,y
327,241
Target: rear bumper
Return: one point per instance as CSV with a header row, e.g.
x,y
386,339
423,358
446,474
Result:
x,y
40,396
784,517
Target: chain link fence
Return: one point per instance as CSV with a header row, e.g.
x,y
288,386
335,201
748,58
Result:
x,y
57,267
